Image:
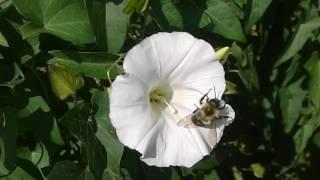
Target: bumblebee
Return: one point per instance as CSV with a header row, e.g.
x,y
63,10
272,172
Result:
x,y
206,116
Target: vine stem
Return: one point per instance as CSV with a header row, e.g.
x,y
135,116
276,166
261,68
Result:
x,y
112,66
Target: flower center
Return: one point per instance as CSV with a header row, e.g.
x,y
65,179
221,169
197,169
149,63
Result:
x,y
160,98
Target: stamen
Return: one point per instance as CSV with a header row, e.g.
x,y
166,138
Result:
x,y
171,108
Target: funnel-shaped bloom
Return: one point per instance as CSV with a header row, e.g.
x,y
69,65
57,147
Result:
x,y
165,77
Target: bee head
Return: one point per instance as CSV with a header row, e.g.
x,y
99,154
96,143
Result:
x,y
220,104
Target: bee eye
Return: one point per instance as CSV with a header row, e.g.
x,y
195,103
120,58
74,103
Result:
x,y
222,104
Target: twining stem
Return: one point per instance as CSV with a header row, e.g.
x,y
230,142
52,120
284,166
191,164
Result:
x,y
112,66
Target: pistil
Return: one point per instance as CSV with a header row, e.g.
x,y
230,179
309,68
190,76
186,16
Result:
x,y
158,98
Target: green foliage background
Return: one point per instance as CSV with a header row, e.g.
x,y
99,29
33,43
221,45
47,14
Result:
x,y
54,58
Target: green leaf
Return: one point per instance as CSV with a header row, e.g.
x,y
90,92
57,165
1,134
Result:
x,y
37,118
236,173
8,135
4,5
231,88
316,139
18,76
18,174
304,134
258,170
174,174
31,30
3,41
138,6
64,83
213,175
313,68
35,104
291,99
89,64
56,134
69,170
109,24
206,164
106,134
213,16
257,9
292,70
40,156
247,69
66,19
3,169
77,121
225,22
297,42
32,160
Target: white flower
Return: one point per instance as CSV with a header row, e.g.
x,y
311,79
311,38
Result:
x,y
166,75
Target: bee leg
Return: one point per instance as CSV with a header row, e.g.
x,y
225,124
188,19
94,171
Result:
x,y
197,108
221,117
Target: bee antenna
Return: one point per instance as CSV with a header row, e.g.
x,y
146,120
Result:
x,y
215,93
219,94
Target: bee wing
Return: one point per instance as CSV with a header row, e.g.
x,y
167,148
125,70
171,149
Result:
x,y
213,134
186,122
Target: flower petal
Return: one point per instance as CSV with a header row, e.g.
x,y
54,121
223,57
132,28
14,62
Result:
x,y
130,111
173,146
128,90
222,123
142,62
170,49
188,62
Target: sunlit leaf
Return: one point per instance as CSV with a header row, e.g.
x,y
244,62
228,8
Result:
x,y
106,134
3,41
64,83
258,170
313,68
292,70
138,6
291,99
237,174
303,33
66,19
304,134
213,16
40,156
224,20
222,52
109,24
231,88
257,9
